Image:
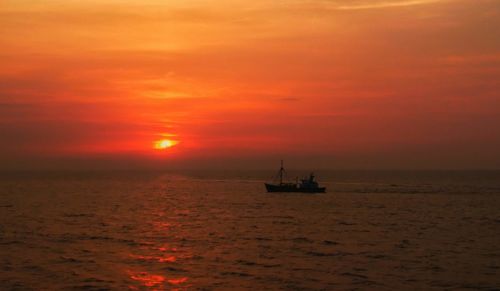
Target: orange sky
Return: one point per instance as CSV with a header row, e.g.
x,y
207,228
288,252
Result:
x,y
323,83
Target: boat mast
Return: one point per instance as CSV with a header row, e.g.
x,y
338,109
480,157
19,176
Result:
x,y
281,172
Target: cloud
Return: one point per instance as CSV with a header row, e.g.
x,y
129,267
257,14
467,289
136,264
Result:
x,y
383,4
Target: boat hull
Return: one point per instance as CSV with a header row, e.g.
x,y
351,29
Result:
x,y
293,188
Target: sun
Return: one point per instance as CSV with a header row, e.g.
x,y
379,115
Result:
x,y
164,144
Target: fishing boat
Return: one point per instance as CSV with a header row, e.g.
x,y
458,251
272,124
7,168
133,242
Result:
x,y
306,185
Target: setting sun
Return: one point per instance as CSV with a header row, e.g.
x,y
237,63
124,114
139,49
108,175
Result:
x,y
164,144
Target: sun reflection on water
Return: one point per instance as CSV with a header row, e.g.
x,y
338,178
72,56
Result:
x,y
147,279
169,259
166,248
157,261
162,225
153,256
177,281
153,281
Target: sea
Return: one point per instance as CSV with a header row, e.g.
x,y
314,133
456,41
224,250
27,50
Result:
x,y
220,230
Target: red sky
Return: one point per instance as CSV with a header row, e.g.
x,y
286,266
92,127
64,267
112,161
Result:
x,y
321,83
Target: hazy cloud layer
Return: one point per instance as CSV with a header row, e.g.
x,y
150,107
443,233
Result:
x,y
343,83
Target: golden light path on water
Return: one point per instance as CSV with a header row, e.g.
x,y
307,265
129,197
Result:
x,y
158,254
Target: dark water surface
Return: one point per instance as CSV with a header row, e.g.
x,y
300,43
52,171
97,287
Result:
x,y
162,231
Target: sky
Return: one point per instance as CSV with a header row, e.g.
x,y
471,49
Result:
x,y
340,84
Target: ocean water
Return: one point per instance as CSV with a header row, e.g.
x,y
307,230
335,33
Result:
x,y
221,231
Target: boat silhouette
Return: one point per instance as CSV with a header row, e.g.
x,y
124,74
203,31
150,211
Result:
x,y
306,185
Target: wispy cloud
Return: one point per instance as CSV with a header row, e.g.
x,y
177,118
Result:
x,y
384,4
